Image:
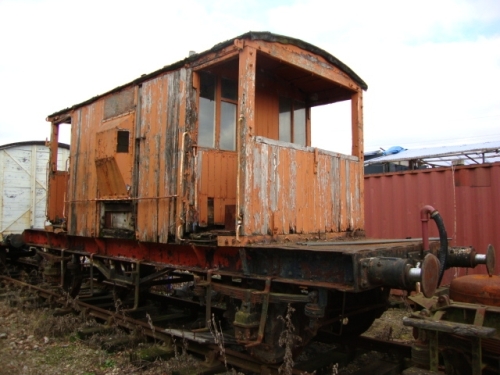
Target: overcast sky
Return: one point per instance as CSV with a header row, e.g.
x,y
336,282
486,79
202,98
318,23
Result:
x,y
432,66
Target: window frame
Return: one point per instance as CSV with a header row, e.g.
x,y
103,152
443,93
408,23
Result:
x,y
292,104
219,99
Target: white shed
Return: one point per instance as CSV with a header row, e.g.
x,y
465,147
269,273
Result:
x,y
23,184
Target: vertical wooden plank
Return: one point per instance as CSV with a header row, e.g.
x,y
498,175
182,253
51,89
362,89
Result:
x,y
52,199
231,184
82,216
358,148
203,183
143,205
301,186
156,168
336,193
323,178
342,196
153,156
73,166
219,186
97,115
172,139
84,170
182,155
284,175
153,115
267,160
163,204
246,126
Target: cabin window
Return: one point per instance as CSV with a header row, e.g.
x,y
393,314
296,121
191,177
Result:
x,y
217,116
206,131
122,141
292,121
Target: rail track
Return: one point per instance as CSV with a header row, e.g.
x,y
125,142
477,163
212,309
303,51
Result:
x,y
174,321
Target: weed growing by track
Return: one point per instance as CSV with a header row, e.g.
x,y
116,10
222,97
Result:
x,y
218,337
287,339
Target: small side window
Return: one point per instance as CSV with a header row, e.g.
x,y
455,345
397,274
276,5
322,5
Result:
x,y
122,141
217,112
206,131
299,123
292,121
285,120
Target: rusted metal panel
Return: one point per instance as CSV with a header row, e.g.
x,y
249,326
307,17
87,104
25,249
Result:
x,y
466,197
479,289
300,190
293,264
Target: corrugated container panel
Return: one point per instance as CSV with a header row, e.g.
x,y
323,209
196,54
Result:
x,y
288,189
466,197
167,185
23,185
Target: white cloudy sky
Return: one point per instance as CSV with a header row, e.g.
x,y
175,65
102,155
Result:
x,y
432,66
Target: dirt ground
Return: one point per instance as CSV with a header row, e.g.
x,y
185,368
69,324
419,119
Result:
x,y
390,326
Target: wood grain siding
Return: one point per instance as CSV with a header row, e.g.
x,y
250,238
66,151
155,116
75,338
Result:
x,y
151,126
293,189
158,138
266,113
217,180
358,146
83,219
246,128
